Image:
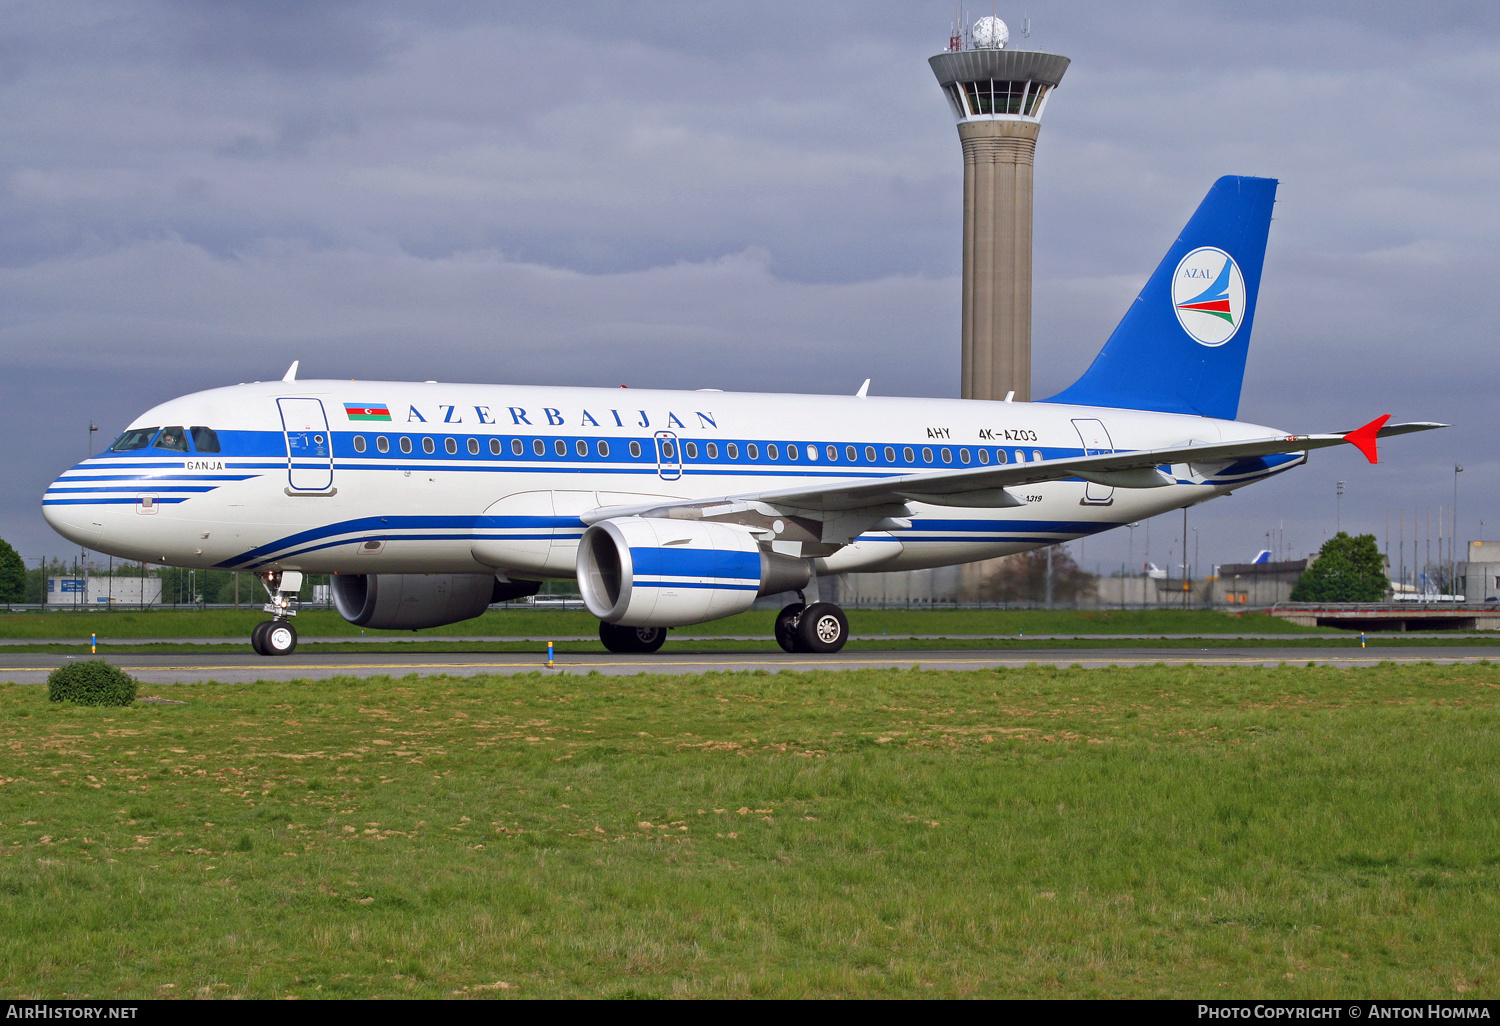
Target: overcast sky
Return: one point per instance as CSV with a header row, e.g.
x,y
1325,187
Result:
x,y
761,196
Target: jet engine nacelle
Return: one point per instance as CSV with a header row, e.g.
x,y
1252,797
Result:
x,y
409,602
650,572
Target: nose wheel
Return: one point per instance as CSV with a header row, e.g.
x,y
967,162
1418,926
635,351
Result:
x,y
820,627
278,637
274,638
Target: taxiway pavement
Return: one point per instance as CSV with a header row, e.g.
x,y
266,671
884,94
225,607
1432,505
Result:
x,y
246,667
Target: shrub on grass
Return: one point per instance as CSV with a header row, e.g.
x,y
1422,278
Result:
x,y
93,682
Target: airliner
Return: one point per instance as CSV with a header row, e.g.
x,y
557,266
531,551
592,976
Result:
x,y
427,502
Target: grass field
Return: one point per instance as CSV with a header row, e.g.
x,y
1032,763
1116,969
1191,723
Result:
x,y
542,624
1182,832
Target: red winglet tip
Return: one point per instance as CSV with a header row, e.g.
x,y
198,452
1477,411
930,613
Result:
x,y
1364,438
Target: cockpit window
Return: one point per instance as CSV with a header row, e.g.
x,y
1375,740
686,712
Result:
x,y
205,439
135,438
173,438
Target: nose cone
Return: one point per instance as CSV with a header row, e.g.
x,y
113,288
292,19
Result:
x,y
73,517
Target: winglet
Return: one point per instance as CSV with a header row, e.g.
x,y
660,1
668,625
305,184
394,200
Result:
x,y
1363,438
291,372
864,389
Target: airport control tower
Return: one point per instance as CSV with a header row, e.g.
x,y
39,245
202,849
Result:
x,y
998,95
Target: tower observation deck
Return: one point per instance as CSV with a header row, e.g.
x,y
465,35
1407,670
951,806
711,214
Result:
x,y
997,96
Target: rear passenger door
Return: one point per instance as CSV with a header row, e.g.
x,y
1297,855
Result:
x,y
309,446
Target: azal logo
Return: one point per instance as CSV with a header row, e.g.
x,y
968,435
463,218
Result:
x,y
1208,293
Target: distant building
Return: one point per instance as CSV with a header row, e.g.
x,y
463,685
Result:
x,y
1479,578
92,592
1262,583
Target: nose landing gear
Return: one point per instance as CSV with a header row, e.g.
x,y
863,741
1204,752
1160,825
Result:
x,y
278,637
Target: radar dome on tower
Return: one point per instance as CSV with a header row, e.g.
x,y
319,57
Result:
x,y
990,33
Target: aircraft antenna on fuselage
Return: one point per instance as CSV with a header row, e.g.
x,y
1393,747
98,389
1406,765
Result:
x,y
291,372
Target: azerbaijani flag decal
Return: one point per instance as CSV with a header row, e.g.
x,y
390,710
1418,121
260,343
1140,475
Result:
x,y
367,411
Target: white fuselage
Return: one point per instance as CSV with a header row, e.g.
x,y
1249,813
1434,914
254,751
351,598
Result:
x,y
493,478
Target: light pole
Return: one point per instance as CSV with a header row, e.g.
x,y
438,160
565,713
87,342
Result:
x,y
92,428
1195,548
1338,516
1453,540
1185,586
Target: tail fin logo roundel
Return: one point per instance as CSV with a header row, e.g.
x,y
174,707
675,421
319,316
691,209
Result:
x,y
1208,292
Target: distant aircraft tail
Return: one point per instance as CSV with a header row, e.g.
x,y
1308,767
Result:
x,y
1181,347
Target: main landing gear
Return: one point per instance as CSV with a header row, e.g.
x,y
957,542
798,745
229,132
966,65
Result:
x,y
632,639
820,627
277,637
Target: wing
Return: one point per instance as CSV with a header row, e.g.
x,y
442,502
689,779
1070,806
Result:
x,y
989,486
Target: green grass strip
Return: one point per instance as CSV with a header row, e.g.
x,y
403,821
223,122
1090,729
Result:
x,y
1182,832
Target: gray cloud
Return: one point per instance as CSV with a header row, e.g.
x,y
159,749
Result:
x,y
743,196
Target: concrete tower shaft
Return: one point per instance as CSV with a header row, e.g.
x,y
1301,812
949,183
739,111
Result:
x,y
998,97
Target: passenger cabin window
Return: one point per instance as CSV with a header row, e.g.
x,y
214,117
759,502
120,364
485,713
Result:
x,y
947,455
753,451
1020,455
206,439
173,439
1036,455
494,447
581,447
890,454
383,444
473,447
833,453
851,454
926,455
451,445
359,443
560,447
984,455
732,451
135,438
773,452
713,451
603,448
791,451
963,456
869,454
405,444
908,455
691,448
635,449
668,450
539,447
428,446
516,447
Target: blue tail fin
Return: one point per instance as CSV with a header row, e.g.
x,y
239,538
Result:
x,y
1181,347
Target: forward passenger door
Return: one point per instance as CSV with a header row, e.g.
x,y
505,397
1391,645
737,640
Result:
x,y
309,446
